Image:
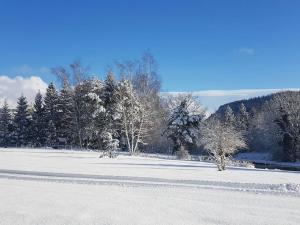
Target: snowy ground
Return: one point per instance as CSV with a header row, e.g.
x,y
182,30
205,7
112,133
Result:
x,y
64,187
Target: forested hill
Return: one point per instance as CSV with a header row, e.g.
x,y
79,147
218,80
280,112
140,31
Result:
x,y
252,104
270,123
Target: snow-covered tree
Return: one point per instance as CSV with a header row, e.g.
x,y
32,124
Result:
x,y
5,125
38,126
110,144
275,128
242,118
95,106
66,112
262,133
88,108
286,110
146,83
221,140
110,98
21,123
229,117
183,126
134,116
81,112
74,105
110,118
51,103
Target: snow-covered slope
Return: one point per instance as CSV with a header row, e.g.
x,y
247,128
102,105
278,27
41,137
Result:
x,y
65,187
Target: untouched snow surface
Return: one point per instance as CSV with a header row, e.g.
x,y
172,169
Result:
x,y
67,187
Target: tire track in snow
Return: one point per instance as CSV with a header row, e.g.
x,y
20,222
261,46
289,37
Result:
x,y
74,178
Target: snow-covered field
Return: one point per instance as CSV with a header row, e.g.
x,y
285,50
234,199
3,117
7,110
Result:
x,y
67,187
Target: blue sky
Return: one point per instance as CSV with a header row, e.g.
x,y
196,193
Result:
x,y
199,45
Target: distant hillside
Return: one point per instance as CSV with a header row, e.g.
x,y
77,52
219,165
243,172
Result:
x,y
252,104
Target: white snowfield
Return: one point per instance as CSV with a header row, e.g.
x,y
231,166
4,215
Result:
x,y
68,187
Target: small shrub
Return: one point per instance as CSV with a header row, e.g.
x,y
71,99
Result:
x,y
183,154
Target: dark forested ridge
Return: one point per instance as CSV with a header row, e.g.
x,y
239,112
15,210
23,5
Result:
x,y
252,104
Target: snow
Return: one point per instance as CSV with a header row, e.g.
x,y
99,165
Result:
x,y
73,187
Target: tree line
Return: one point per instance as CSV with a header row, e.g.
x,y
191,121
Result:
x,y
129,114
87,112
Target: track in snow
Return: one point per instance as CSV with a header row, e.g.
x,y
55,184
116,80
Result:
x,y
287,189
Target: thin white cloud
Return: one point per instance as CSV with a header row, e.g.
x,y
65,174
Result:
x,y
12,88
246,51
237,92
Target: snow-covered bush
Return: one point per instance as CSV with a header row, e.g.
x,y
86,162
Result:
x,y
110,145
182,154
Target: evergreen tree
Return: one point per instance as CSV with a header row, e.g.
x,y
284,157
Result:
x,y
5,125
38,121
51,102
112,116
229,117
88,108
22,123
108,120
183,127
66,112
242,118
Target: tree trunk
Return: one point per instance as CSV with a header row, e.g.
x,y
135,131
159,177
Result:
x,y
221,162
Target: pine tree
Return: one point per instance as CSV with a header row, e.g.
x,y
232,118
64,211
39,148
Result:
x,y
51,101
242,118
111,115
110,98
182,127
5,125
66,112
22,123
38,121
88,108
229,117
108,121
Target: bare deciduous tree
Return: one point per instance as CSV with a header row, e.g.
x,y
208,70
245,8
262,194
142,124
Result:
x,y
135,121
143,86
286,107
221,140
